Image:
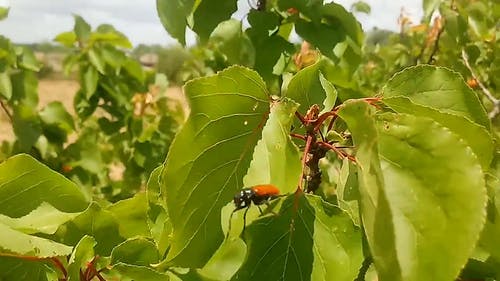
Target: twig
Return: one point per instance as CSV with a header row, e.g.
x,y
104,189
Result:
x,y
435,48
486,92
364,268
6,111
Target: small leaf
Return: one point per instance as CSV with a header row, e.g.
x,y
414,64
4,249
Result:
x,y
159,223
136,272
4,12
96,60
68,38
28,60
361,7
429,6
209,13
226,260
173,14
209,157
26,183
309,87
90,79
5,85
276,158
137,251
231,41
82,254
438,88
18,243
56,121
82,29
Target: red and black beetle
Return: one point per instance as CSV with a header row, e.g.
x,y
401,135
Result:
x,y
257,194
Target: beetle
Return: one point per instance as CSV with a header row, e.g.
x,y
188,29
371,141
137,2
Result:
x,y
257,194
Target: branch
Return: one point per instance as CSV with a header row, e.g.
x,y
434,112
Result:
x,y
486,92
364,268
6,111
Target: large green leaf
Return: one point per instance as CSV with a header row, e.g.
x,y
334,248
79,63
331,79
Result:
x,y
276,158
209,157
173,14
438,88
26,183
18,243
100,224
425,171
12,268
309,87
309,240
44,219
132,215
230,39
476,136
375,212
443,181
209,13
137,251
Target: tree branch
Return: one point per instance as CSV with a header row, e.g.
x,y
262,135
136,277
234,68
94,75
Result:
x,y
6,111
496,102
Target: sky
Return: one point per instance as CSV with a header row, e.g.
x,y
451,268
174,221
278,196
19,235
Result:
x,y
31,21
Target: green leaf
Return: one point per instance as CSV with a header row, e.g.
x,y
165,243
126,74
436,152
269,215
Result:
x,y
26,125
82,29
82,254
28,60
476,136
173,14
96,60
54,114
209,13
5,85
25,183
321,35
443,181
159,223
309,87
276,158
226,260
230,40
209,157
361,7
137,251
337,16
429,7
24,88
438,88
44,219
4,12
68,38
95,222
136,272
309,240
12,268
90,78
132,215
18,243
